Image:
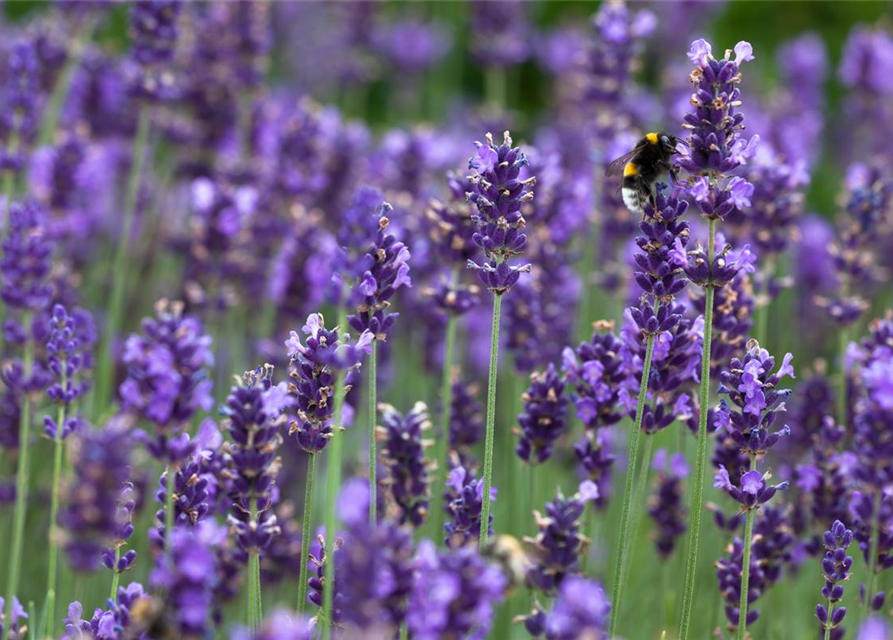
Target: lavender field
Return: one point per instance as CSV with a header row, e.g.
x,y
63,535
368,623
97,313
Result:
x,y
446,320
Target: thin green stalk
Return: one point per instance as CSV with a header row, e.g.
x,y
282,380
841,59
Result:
x,y
170,481
373,417
50,608
442,446
828,624
844,338
116,576
697,505
333,483
491,420
21,504
254,610
305,534
872,551
745,564
626,512
119,271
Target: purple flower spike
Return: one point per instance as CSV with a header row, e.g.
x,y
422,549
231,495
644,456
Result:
x,y
666,506
581,610
544,417
17,629
751,388
167,379
836,570
498,193
154,32
68,353
463,503
315,364
386,270
403,454
254,416
91,517
454,594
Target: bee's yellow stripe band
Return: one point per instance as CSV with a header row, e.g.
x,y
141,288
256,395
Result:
x,y
630,169
652,138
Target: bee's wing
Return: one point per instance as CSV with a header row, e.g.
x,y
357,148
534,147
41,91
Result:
x,y
616,166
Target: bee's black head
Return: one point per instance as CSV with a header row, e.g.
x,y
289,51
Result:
x,y
668,143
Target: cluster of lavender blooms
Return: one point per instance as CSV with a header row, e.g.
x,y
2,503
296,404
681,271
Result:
x,y
112,622
154,31
315,363
463,504
403,455
466,420
255,414
666,506
544,417
596,369
167,378
21,106
580,610
836,567
69,359
498,193
559,544
90,518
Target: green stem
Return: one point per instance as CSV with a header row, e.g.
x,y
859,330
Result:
x,y
170,481
305,534
697,505
626,512
841,377
828,626
120,271
872,550
442,446
333,483
254,611
116,576
50,608
21,503
745,564
373,416
491,420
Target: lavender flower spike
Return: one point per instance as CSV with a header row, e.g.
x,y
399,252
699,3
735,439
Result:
x,y
403,454
835,569
544,416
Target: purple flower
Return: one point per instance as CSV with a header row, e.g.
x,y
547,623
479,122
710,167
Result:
x,y
751,388
189,575
17,629
125,508
252,464
463,503
597,372
281,624
754,490
411,46
559,543
90,516
385,270
403,455
26,262
666,506
836,570
167,380
454,594
500,35
498,193
315,365
68,353
154,33
466,419
874,629
544,416
728,575
580,610
20,105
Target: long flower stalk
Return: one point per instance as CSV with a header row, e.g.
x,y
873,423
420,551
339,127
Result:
x,y
333,484
700,475
373,417
50,609
22,475
626,511
305,532
745,565
491,419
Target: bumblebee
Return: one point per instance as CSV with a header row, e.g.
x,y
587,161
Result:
x,y
641,168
